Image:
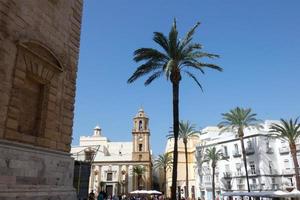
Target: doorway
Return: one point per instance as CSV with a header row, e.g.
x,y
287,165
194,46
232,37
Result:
x,y
109,190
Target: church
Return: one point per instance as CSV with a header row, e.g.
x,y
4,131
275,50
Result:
x,y
113,163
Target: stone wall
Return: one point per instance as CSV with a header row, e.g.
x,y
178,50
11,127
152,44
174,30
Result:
x,y
39,47
28,172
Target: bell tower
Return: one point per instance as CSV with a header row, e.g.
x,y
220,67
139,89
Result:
x,y
140,134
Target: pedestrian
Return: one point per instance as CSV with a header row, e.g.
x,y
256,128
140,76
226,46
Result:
x,y
100,196
92,195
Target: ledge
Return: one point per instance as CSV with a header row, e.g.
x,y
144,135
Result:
x,y
31,148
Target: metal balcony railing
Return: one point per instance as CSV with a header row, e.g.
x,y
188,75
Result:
x,y
226,156
273,172
227,175
241,186
284,150
288,171
239,173
250,151
254,186
236,154
253,172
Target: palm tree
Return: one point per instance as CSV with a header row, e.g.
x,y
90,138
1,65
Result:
x,y
139,171
186,131
237,120
212,155
102,185
290,132
175,58
164,162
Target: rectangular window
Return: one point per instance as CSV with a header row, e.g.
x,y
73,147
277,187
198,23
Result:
x,y
252,168
240,181
140,147
225,151
286,164
193,192
271,167
238,169
273,181
109,176
249,144
236,148
227,168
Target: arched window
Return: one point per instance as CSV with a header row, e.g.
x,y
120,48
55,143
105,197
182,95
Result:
x,y
140,125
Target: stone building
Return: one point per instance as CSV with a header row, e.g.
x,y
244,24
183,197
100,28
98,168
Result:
x,y
113,162
181,175
39,46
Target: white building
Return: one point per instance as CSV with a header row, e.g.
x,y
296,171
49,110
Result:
x,y
270,165
112,167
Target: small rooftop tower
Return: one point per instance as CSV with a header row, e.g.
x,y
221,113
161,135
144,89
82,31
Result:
x,y
97,131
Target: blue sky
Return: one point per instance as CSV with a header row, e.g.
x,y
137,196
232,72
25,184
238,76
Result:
x,y
259,45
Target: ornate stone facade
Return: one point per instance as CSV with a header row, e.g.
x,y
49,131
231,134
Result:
x,y
113,163
39,47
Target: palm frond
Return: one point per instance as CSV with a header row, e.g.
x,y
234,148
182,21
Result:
x,y
188,36
238,119
153,77
162,40
288,130
144,69
149,54
194,78
174,55
173,40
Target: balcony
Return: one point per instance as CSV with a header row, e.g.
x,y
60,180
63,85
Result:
x,y
288,171
226,156
254,186
275,186
239,173
241,186
207,183
274,172
250,151
254,172
236,154
227,175
284,150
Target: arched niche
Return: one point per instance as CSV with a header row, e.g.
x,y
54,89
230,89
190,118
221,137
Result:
x,y
34,94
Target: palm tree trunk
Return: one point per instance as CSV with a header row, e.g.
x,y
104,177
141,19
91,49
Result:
x,y
186,171
245,162
165,181
139,182
296,164
213,183
175,87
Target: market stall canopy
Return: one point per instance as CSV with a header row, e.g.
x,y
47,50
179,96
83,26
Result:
x,y
145,192
294,193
